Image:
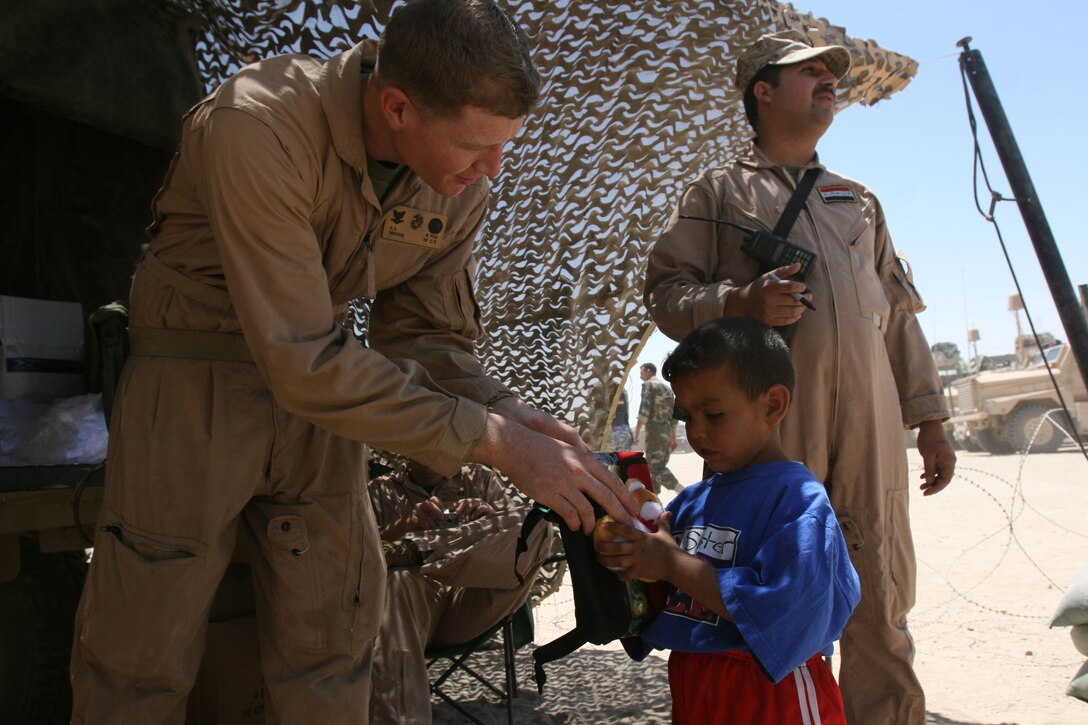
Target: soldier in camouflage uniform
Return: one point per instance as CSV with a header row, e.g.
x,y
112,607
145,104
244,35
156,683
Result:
x,y
655,413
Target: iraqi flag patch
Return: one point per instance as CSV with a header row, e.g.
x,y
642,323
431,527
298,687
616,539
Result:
x,y
837,194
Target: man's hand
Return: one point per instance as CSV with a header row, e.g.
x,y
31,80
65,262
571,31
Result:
x,y
938,457
424,516
550,470
470,509
769,301
537,420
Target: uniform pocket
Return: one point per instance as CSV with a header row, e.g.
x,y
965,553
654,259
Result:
x,y
899,555
872,301
154,547
903,294
865,561
462,310
147,592
295,593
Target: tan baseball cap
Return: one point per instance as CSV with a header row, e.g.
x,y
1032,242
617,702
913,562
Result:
x,y
786,48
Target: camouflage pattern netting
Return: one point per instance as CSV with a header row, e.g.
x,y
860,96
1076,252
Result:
x,y
639,99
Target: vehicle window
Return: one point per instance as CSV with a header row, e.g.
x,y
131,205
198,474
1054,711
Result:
x,y
1051,355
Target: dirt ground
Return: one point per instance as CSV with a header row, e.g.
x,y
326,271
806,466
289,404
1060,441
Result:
x,y
996,551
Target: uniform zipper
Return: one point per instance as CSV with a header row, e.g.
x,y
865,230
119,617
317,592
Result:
x,y
368,245
833,308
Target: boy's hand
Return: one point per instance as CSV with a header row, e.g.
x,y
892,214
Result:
x,y
646,556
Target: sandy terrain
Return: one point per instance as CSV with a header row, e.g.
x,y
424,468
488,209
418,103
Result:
x,y
996,551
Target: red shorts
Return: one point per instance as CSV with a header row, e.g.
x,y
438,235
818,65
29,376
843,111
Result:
x,y
729,687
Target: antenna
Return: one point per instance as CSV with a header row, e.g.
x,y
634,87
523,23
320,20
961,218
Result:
x,y
1015,305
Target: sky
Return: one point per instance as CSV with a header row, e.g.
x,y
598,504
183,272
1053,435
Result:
x,y
914,151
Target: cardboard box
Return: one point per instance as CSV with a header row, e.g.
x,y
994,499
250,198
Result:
x,y
41,349
229,689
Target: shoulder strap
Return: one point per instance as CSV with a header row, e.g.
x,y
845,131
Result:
x,y
785,224
793,206
536,514
557,648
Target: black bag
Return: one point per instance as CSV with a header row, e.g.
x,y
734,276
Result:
x,y
605,608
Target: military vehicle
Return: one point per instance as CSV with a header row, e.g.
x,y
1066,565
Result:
x,y
1017,409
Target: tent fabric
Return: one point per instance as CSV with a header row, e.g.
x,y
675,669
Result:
x,y
638,100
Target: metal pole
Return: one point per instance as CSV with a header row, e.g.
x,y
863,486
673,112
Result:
x,y
1031,209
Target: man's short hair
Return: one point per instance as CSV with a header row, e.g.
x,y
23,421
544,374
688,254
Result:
x,y
768,74
651,367
756,354
448,54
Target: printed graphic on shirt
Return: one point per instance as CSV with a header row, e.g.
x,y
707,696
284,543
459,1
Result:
x,y
414,226
837,194
716,544
682,605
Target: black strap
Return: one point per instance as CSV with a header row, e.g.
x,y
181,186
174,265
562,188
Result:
x,y
536,514
793,206
785,224
558,647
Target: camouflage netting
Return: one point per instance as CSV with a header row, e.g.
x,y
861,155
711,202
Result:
x,y
639,99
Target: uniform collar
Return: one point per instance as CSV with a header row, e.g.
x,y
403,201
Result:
x,y
341,89
756,159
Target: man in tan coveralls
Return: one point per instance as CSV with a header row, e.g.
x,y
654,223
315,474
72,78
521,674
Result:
x,y
466,582
300,185
864,369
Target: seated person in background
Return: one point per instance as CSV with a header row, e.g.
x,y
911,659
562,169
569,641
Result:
x,y
450,545
760,581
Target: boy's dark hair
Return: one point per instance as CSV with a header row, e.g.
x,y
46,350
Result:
x,y
767,74
447,54
651,367
756,354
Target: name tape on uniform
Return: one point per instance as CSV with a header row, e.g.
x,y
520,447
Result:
x,y
414,226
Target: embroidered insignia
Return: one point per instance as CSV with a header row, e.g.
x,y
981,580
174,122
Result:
x,y
837,194
424,230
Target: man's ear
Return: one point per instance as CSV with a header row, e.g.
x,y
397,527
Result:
x,y
396,107
778,403
762,91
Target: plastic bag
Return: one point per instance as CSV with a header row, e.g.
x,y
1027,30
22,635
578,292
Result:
x,y
70,431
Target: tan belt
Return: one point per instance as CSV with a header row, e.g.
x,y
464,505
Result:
x,y
188,344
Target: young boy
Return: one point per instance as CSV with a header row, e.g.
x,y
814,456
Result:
x,y
760,583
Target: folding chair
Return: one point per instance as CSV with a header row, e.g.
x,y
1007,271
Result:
x,y
517,630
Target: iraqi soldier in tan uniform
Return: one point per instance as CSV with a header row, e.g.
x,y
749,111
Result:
x,y
655,416
299,186
467,575
864,370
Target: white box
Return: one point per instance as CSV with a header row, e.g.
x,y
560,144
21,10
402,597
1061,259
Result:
x,y
41,348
